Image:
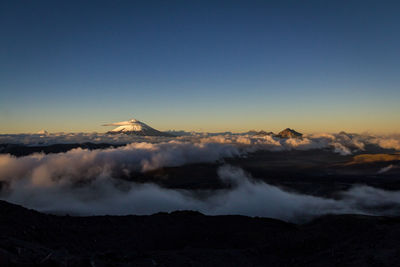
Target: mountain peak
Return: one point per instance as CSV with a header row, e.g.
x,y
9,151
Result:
x,y
289,133
42,132
135,127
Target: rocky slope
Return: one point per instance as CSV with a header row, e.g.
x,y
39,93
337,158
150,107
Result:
x,y
289,133
188,238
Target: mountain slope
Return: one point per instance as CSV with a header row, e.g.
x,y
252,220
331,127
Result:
x,y
188,238
135,127
289,133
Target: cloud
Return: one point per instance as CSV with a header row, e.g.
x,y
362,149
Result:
x,y
82,164
87,182
74,138
54,188
388,142
342,143
388,168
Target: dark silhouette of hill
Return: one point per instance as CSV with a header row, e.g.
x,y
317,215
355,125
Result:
x,y
187,238
289,133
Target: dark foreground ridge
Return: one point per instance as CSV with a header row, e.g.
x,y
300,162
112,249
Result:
x,y
187,238
23,150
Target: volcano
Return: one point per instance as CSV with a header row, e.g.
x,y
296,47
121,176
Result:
x,y
135,127
289,133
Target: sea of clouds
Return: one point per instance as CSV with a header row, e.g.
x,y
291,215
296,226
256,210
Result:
x,y
86,182
342,143
105,195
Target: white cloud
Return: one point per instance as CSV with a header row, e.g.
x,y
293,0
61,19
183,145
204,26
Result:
x,y
340,143
102,194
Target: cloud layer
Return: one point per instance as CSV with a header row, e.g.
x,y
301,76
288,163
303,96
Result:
x,y
101,194
342,143
87,182
82,164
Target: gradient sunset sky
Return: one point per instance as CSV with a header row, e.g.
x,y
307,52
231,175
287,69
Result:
x,y
316,66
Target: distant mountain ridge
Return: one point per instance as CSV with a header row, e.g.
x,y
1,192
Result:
x,y
287,133
136,127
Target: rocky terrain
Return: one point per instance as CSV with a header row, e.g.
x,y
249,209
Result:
x,y
289,133
186,238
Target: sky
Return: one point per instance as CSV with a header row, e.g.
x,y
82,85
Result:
x,y
316,66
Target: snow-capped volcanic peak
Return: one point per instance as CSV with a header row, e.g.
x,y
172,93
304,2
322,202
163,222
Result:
x,y
42,132
135,127
132,125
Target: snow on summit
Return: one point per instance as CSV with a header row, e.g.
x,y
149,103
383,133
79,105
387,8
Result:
x,y
135,127
128,126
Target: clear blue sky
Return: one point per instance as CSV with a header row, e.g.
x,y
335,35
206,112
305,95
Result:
x,y
200,65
